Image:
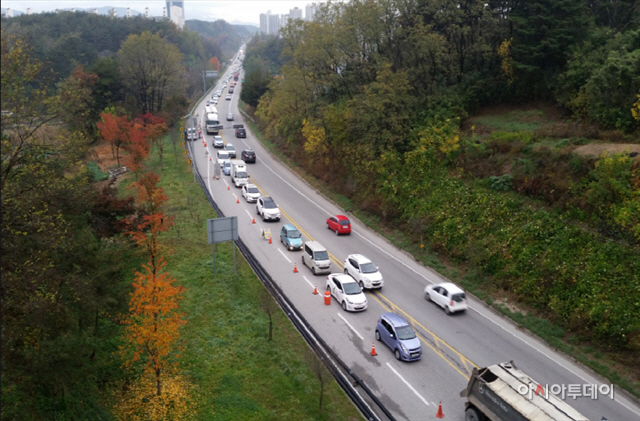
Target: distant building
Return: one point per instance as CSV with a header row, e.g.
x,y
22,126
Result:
x,y
8,12
175,10
295,13
283,20
128,14
264,22
310,10
273,25
28,11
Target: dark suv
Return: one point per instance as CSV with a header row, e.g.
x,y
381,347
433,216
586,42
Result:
x,y
240,132
248,156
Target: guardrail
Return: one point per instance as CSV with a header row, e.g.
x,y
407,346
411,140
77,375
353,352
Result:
x,y
338,369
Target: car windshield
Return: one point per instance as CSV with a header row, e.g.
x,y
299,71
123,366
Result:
x,y
322,255
405,332
344,222
230,148
368,268
269,204
351,288
227,164
458,298
293,234
253,190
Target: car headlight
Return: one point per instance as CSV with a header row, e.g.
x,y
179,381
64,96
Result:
x,y
403,348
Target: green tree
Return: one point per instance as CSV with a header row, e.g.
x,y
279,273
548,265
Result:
x,y
151,69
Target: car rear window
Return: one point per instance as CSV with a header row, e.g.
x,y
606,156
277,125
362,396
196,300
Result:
x,y
344,222
458,298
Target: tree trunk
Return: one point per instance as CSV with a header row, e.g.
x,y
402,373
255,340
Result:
x,y
270,326
321,395
158,382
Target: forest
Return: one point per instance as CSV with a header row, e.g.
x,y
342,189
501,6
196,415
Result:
x,y
382,100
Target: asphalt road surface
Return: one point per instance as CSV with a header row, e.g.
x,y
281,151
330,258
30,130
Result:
x,y
451,345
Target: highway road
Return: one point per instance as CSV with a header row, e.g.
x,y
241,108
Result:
x,y
451,345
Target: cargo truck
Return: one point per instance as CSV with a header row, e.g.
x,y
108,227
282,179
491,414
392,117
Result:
x,y
501,392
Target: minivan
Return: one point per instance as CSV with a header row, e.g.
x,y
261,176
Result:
x,y
399,336
316,257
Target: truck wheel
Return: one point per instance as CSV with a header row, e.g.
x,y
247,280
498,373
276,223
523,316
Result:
x,y
472,414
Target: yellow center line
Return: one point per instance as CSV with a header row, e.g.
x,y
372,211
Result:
x,y
393,307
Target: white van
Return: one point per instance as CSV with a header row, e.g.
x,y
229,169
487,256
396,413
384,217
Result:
x,y
222,156
316,257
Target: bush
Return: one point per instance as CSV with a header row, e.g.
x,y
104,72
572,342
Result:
x,y
96,173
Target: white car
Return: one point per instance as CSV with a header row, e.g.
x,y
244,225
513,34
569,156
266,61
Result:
x,y
363,271
218,92
347,292
218,142
250,193
267,209
228,97
230,117
448,296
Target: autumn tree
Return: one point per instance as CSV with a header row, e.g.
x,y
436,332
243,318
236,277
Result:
x,y
154,128
151,69
153,322
114,129
137,145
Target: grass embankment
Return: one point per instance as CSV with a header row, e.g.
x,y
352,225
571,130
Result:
x,y
618,367
237,372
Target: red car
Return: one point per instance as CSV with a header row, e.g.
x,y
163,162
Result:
x,y
339,224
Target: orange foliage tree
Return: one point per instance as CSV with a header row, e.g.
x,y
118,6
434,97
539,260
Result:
x,y
153,321
137,145
114,129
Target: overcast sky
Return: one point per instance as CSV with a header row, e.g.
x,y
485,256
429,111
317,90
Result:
x,y
247,11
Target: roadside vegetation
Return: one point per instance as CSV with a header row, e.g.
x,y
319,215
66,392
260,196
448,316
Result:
x,y
109,309
451,139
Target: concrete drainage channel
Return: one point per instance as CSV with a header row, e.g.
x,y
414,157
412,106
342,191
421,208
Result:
x,y
338,369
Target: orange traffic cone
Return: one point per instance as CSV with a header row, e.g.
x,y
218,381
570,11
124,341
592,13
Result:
x,y
210,159
315,290
253,221
205,144
295,268
373,349
228,188
238,200
439,414
270,240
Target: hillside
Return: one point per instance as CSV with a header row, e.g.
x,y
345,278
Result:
x,y
228,37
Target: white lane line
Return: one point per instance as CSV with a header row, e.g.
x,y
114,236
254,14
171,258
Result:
x,y
305,278
225,182
352,328
408,385
248,213
433,403
284,255
427,278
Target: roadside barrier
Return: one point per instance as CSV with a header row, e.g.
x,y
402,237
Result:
x,y
334,364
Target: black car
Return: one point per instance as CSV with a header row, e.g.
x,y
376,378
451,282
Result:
x,y
240,132
248,156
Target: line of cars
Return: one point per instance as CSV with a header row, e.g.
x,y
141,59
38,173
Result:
x,y
360,273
